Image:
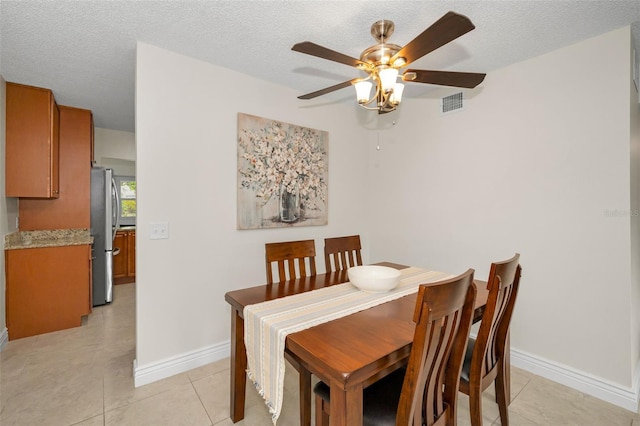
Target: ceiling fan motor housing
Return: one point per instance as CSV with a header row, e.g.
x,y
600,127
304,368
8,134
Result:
x,y
379,54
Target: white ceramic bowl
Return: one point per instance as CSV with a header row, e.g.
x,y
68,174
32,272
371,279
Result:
x,y
374,278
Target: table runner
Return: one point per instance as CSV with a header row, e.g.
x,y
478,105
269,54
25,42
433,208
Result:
x,y
267,324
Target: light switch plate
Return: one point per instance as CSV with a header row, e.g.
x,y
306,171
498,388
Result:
x,y
159,231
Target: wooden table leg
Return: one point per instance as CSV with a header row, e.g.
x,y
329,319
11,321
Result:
x,y
304,388
238,367
346,406
305,396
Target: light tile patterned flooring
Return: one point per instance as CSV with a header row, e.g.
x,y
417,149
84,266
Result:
x,y
83,376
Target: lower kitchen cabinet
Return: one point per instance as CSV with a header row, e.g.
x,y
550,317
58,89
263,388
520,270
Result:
x,y
124,263
47,288
131,255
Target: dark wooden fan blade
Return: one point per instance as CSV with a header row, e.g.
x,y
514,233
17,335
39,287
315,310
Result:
x,y
322,52
328,89
446,29
468,80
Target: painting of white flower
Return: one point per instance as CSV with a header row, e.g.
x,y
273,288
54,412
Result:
x,y
282,174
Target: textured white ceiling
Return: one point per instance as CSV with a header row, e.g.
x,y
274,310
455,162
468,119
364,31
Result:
x,y
85,51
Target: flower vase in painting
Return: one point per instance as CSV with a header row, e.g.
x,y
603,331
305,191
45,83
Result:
x,y
289,204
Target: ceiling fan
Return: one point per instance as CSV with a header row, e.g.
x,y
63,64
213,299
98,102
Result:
x,y
383,61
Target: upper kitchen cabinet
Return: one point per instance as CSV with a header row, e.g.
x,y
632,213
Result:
x,y
32,140
72,207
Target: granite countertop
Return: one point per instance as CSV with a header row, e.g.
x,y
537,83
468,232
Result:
x,y
47,238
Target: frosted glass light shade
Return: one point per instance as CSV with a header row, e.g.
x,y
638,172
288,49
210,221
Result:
x,y
363,91
396,96
388,78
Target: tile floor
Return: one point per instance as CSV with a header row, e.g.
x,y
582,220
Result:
x,y
83,376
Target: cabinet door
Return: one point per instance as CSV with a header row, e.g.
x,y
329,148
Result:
x,y
32,140
93,148
131,254
120,260
47,289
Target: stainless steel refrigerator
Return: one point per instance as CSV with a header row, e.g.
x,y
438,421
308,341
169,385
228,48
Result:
x,y
105,213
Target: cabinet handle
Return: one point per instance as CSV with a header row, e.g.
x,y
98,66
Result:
x,y
116,251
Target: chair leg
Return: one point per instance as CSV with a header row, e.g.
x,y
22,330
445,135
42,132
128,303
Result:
x,y
322,417
502,396
475,405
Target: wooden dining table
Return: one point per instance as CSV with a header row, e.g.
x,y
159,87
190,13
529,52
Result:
x,y
347,353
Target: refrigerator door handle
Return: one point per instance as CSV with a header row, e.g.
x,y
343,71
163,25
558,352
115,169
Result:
x,y
117,207
109,287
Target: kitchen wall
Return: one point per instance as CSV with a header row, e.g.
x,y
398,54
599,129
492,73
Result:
x,y
538,162
115,149
8,216
186,142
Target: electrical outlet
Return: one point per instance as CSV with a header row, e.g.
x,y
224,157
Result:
x,y
159,231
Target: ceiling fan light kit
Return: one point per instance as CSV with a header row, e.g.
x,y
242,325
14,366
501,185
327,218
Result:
x,y
382,63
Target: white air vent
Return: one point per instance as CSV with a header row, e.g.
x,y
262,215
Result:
x,y
452,102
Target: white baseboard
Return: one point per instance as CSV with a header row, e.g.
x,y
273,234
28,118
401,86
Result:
x,y
149,373
627,398
613,393
4,338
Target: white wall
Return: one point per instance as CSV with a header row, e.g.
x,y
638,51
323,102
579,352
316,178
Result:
x,y
533,164
8,215
115,149
186,136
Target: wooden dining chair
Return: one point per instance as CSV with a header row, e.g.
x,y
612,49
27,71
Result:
x,y
343,251
294,259
484,362
425,392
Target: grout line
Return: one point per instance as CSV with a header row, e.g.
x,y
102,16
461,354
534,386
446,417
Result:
x,y
201,402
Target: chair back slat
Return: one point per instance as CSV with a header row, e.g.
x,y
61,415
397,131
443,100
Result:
x,y
294,259
443,316
502,301
341,253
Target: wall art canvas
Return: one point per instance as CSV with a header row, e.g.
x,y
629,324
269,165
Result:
x,y
282,174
